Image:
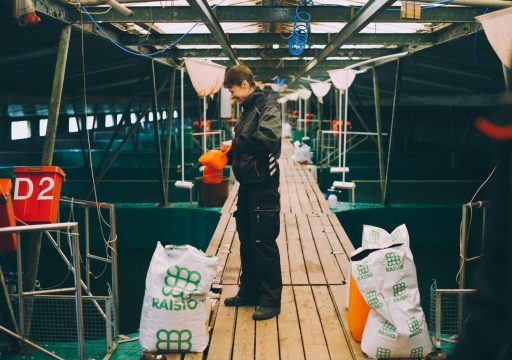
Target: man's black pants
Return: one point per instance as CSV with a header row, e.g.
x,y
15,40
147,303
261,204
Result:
x,y
257,224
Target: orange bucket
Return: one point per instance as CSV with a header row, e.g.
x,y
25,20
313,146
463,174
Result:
x,y
358,311
37,193
215,159
7,241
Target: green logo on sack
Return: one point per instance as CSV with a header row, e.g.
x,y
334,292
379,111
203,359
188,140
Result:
x,y
363,271
173,304
383,353
180,281
397,238
399,292
373,237
372,300
393,262
414,326
167,340
417,353
388,330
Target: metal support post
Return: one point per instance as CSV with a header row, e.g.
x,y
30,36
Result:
x,y
115,287
396,100
54,108
78,293
168,133
379,128
156,131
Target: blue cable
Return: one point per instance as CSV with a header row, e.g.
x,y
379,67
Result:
x,y
131,52
299,37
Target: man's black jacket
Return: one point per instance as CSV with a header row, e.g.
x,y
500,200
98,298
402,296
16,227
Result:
x,y
257,142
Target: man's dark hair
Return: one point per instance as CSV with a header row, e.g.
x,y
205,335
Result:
x,y
235,75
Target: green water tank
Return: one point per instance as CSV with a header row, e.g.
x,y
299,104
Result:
x,y
187,144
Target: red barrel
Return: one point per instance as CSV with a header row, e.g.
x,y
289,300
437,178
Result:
x,y
37,193
7,218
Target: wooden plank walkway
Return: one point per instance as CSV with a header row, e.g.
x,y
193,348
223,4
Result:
x,y
314,263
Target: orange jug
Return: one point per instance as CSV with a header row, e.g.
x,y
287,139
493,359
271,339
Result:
x,y
215,159
211,175
358,311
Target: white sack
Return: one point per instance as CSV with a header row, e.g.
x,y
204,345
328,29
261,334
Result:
x,y
386,277
377,238
174,310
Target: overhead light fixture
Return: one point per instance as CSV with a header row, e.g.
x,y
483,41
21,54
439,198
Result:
x,y
275,46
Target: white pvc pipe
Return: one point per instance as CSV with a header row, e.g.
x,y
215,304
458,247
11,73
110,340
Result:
x,y
345,133
204,124
300,113
340,115
182,124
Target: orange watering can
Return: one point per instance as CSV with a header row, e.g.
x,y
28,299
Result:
x,y
216,159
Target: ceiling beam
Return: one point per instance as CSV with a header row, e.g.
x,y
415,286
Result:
x,y
268,39
269,53
289,64
211,22
319,13
60,13
358,22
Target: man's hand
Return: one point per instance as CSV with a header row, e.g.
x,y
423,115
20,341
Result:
x,y
225,145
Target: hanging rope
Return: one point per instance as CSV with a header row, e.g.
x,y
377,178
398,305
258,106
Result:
x,y
299,38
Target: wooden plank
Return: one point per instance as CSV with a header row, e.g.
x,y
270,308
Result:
x,y
217,235
298,272
337,343
224,249
267,340
229,205
315,346
173,356
342,235
341,256
330,266
290,341
294,200
338,293
283,252
193,356
232,268
221,342
313,265
243,348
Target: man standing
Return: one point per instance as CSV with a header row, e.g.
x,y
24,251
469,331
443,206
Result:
x,y
254,153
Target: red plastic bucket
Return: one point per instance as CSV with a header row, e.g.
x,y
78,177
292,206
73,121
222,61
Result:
x,y
358,311
7,241
37,193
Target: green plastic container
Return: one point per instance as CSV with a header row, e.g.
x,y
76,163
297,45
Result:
x,y
297,135
188,136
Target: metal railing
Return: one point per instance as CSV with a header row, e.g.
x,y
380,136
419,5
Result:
x,y
72,231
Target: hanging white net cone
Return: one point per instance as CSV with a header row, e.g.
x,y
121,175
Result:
x,y
342,78
304,94
207,77
498,29
293,96
320,89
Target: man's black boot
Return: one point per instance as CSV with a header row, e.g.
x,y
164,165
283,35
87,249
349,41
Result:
x,y
264,312
240,301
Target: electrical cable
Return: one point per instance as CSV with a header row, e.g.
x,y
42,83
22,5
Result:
x,y
299,37
131,52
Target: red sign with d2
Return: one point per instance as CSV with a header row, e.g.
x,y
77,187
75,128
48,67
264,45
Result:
x,y
37,193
